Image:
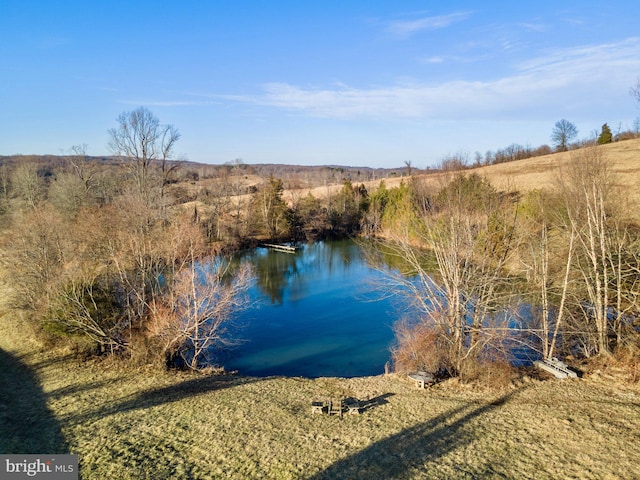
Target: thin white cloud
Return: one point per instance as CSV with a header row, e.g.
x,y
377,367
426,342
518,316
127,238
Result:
x,y
574,21
435,59
590,58
534,27
182,99
405,28
557,78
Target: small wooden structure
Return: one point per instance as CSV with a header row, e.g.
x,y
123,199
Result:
x,y
335,407
422,378
557,368
318,407
281,248
351,406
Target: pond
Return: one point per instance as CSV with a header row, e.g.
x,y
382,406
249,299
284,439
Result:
x,y
317,312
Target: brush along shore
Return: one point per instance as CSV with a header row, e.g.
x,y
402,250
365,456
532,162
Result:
x,y
139,423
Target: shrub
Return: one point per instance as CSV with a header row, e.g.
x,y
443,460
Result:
x,y
494,373
419,347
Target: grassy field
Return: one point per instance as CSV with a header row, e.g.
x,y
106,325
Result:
x,y
532,173
139,423
543,172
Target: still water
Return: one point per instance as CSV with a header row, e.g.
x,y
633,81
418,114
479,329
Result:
x,y
318,312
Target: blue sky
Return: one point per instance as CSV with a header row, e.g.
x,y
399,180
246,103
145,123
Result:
x,y
367,83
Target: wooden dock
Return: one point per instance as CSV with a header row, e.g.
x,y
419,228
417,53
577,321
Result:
x,y
281,248
555,367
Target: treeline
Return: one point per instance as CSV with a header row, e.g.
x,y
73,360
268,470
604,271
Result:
x,y
132,255
293,176
499,277
515,151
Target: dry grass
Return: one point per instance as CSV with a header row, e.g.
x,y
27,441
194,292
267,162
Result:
x,y
127,423
542,172
525,175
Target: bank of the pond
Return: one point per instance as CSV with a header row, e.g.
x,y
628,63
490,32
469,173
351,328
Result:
x,y
127,423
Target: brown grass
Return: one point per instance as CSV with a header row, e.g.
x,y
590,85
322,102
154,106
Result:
x,y
525,175
542,172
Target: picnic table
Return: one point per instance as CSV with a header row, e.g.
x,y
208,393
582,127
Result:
x,y
318,407
337,406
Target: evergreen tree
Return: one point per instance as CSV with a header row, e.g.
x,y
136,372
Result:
x,y
606,136
345,212
272,216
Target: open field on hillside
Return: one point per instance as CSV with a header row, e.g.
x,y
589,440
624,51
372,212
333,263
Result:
x,y
522,175
543,172
134,424
529,174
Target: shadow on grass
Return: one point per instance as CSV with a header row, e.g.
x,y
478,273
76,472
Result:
x,y
26,423
75,389
163,395
375,402
37,361
399,455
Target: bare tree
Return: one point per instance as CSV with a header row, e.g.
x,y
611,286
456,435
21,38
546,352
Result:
x,y
459,281
74,186
593,210
624,261
563,132
138,253
204,304
543,257
82,167
635,91
35,251
27,184
409,165
145,144
82,306
193,316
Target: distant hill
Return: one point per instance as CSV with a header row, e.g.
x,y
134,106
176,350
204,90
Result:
x,y
321,180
